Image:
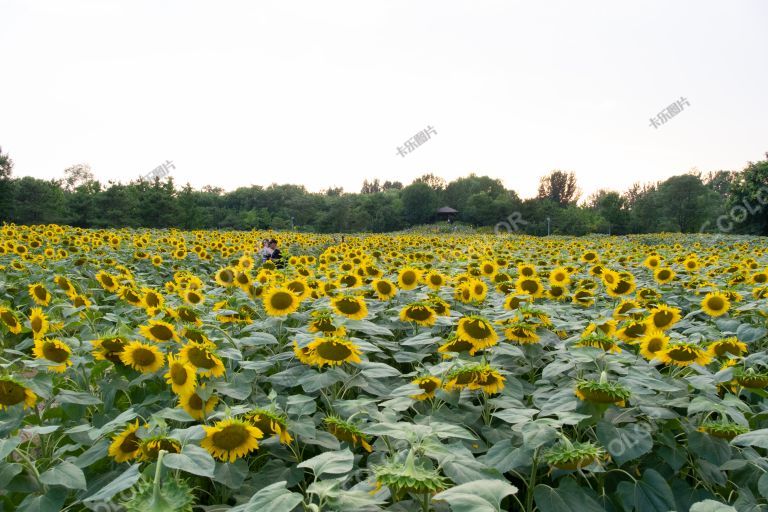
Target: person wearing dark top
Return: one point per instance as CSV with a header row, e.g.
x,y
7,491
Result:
x,y
276,256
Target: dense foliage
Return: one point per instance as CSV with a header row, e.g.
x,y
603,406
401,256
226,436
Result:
x,y
687,203
161,370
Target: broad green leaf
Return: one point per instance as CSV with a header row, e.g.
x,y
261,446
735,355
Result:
x,y
332,463
275,498
192,459
711,506
477,496
77,397
231,474
624,443
757,438
126,480
567,497
65,474
650,494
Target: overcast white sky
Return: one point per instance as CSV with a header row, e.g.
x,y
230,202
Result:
x,y
321,93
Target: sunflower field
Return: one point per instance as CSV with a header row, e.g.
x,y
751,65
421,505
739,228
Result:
x,y
164,370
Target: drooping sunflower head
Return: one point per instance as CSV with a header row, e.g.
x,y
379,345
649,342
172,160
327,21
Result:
x,y
571,456
530,286
454,344
409,477
602,392
13,392
196,406
440,306
150,447
419,313
633,331
330,351
9,319
477,330
475,376
723,429
231,439
351,306
715,304
725,346
751,378
322,321
347,431
142,357
271,423
54,351
520,331
107,281
109,349
683,354
601,341
280,301
428,385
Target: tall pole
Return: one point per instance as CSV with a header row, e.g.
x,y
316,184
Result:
x,y
548,221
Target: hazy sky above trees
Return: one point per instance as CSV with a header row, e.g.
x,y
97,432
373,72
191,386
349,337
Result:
x,y
323,93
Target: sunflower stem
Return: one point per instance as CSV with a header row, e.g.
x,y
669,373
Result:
x,y
158,472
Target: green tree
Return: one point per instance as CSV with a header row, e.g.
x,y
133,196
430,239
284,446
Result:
x,y
419,203
749,199
560,187
6,187
611,207
686,203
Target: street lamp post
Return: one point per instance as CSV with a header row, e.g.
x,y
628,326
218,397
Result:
x,y
548,222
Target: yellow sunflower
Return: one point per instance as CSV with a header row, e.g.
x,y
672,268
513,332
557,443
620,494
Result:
x,y
194,405
39,294
55,351
347,432
126,445
435,280
684,354
231,439
152,446
384,288
202,357
142,357
270,423
475,376
351,306
531,286
478,331
181,376
225,277
419,313
715,304
653,343
408,278
663,275
428,385
9,319
14,393
107,281
159,331
38,322
280,301
330,350
109,349
193,297
663,317
732,345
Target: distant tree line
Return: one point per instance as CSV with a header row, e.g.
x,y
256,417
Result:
x,y
725,201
